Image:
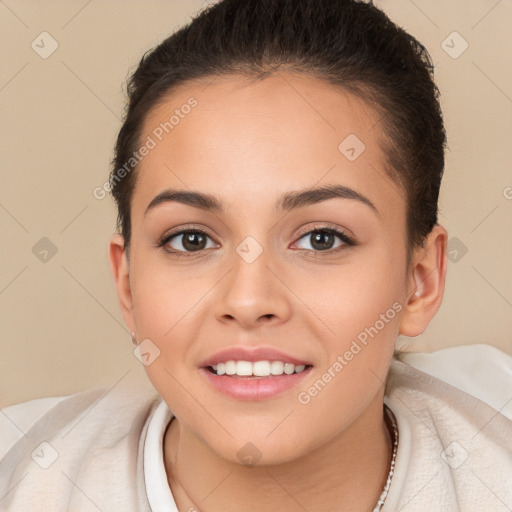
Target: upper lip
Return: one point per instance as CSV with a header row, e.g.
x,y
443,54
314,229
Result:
x,y
260,353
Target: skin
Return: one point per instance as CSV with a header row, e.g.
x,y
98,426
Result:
x,y
248,143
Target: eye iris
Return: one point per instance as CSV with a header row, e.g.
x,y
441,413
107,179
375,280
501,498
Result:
x,y
193,241
322,238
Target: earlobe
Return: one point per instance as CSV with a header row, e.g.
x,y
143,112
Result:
x,y
426,283
119,268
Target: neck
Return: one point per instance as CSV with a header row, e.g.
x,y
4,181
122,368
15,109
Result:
x,y
346,473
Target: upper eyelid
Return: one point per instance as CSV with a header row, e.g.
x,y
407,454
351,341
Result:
x,y
184,230
326,226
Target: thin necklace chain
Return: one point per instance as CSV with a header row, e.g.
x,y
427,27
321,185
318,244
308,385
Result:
x,y
394,434
393,427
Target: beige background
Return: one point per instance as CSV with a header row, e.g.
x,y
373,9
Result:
x,y
60,323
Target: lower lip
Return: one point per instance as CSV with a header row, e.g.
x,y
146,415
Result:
x,y
256,388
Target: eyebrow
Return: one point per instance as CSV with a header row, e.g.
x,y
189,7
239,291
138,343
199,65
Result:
x,y
288,201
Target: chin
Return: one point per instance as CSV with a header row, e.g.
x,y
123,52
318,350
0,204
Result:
x,y
259,450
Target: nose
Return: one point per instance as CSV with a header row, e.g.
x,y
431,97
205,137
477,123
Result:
x,y
253,293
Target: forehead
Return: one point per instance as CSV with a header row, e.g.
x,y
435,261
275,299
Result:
x,y
253,139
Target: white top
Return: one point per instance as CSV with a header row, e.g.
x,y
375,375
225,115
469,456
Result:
x,y
158,491
102,449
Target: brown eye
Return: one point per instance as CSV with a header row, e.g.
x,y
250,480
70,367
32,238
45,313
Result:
x,y
324,239
186,241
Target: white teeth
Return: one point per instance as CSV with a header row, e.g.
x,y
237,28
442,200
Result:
x,y
289,368
230,367
261,368
276,367
257,369
243,368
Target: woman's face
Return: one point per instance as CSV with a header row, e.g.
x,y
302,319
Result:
x,y
264,273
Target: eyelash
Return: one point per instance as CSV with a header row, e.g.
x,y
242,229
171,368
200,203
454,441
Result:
x,y
347,241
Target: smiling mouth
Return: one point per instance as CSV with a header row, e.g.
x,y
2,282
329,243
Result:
x,y
258,370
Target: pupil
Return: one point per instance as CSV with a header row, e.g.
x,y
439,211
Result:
x,y
193,241
321,239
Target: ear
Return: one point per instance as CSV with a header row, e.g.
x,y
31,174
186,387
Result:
x,y
119,266
426,280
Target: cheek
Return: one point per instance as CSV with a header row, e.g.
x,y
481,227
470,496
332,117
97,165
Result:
x,y
163,295
360,310
165,311
171,306
351,297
